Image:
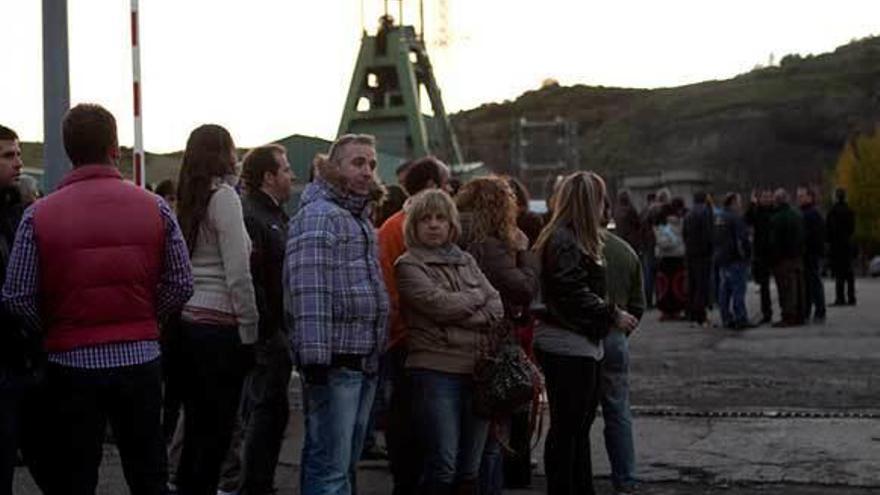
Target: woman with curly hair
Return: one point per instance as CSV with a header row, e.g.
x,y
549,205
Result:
x,y
489,232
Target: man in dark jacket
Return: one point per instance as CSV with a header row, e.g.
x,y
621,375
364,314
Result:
x,y
761,210
14,359
732,253
841,223
268,180
698,231
814,250
627,223
787,250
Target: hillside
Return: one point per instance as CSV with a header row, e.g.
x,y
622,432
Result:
x,y
778,125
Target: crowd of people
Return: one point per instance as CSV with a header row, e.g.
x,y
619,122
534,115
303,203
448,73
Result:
x,y
177,317
699,258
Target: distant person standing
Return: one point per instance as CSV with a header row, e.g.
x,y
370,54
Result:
x,y
761,210
787,251
265,409
671,278
732,254
814,251
627,223
841,226
95,267
649,243
623,277
698,232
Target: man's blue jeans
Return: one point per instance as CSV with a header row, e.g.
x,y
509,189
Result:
x,y
734,277
453,436
336,417
616,412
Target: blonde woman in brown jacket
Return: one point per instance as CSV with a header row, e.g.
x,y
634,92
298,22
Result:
x,y
448,306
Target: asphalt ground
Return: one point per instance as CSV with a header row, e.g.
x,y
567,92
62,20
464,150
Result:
x,y
759,411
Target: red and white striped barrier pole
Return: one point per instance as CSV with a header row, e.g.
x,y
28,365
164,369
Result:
x,y
140,177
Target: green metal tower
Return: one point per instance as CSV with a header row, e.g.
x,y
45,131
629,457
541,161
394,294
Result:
x,y
384,98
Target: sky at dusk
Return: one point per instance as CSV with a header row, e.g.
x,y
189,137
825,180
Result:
x,y
266,69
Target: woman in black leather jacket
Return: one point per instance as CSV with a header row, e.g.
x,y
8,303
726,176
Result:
x,y
569,340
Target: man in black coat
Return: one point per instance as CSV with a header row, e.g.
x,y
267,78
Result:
x,y
814,250
699,227
268,180
841,225
20,352
761,210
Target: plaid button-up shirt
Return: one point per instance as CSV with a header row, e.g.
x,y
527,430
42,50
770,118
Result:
x,y
21,294
335,295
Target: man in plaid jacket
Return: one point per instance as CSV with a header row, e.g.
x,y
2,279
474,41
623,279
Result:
x,y
337,308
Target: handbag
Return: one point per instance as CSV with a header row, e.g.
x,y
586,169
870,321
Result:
x,y
505,379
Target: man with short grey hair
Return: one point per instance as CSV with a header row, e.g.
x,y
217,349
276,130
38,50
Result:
x,y
337,306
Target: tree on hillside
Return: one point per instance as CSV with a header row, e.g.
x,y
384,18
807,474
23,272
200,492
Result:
x,y
858,171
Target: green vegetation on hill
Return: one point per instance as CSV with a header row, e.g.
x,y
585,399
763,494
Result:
x,y
778,125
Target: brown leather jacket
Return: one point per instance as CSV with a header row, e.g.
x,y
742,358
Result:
x,y
448,305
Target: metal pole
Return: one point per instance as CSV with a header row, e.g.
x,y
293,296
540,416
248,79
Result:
x,y
400,10
56,91
422,20
137,155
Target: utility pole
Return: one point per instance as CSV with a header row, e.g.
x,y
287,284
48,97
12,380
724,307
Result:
x,y
56,91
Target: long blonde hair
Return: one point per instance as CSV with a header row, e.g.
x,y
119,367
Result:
x,y
579,205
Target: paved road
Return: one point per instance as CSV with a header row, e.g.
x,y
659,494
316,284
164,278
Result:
x,y
816,369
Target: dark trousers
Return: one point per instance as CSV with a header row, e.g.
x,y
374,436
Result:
x,y
761,273
573,392
789,275
23,420
404,450
518,464
844,278
23,427
173,369
649,267
815,289
10,428
211,390
81,402
265,411
699,273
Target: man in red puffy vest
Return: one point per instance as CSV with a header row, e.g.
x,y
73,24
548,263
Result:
x,y
94,267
